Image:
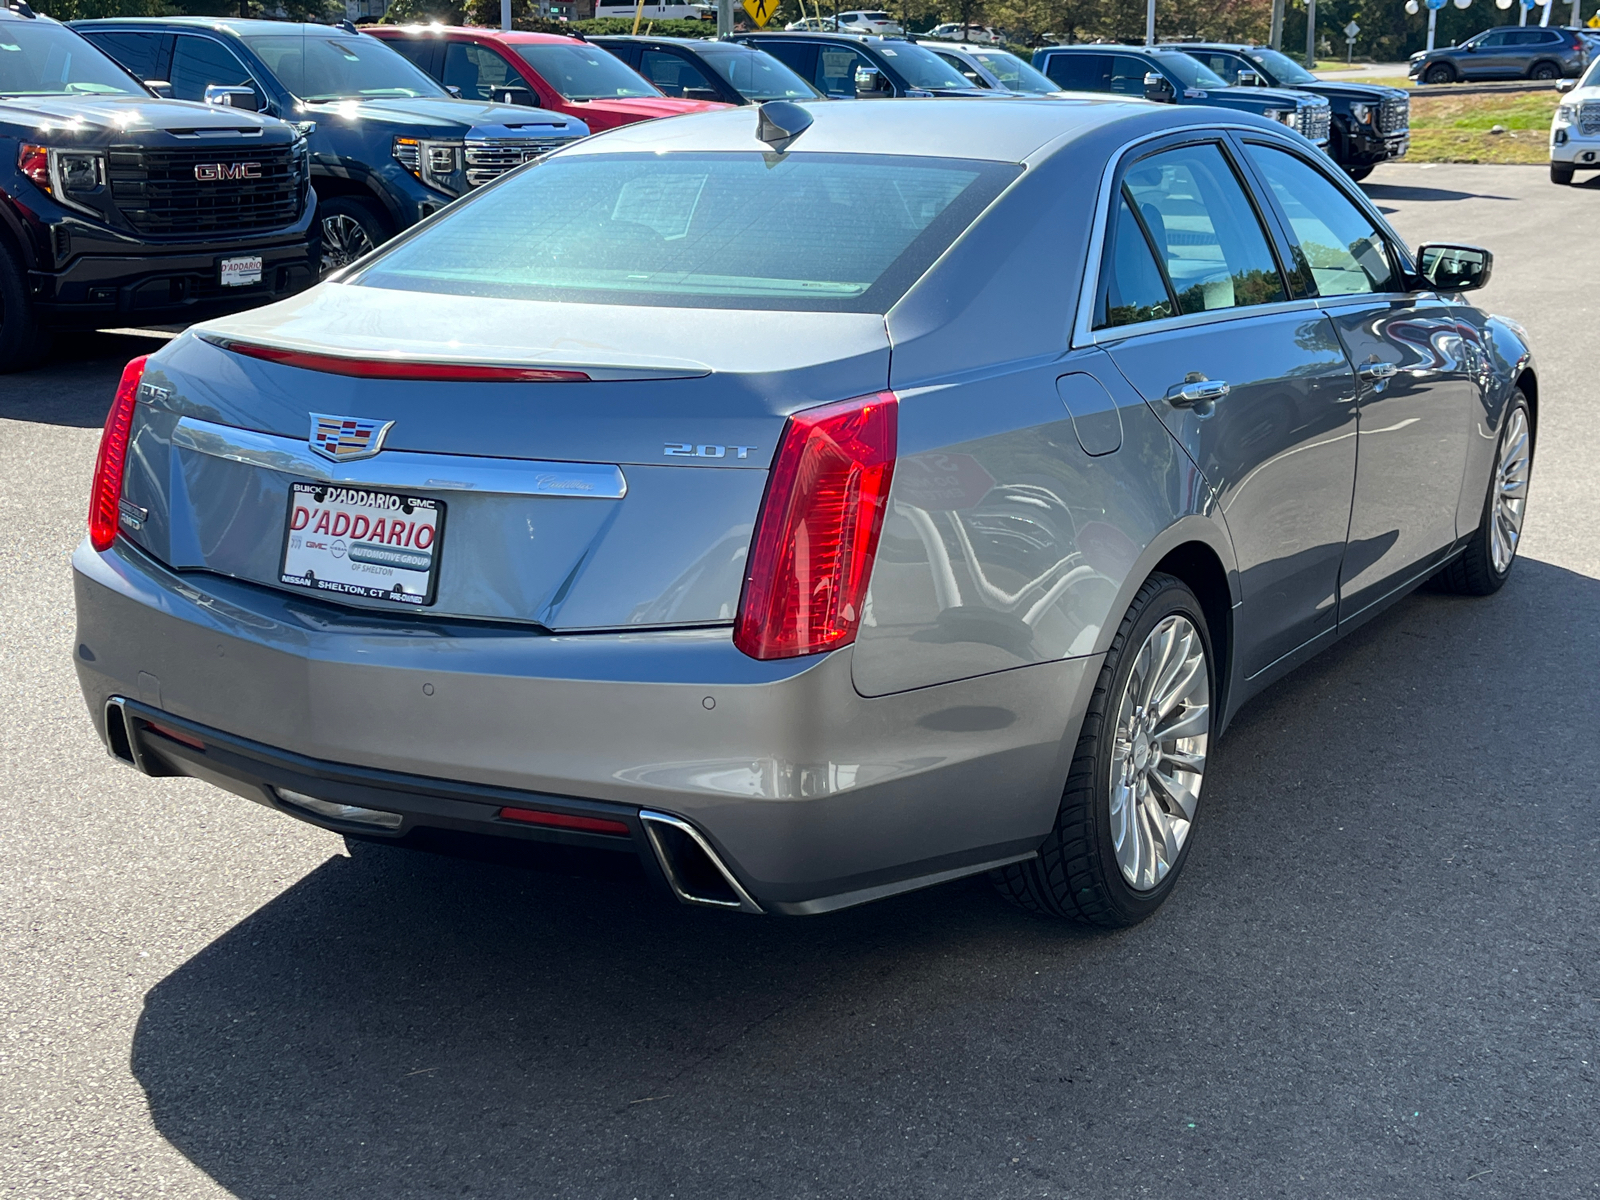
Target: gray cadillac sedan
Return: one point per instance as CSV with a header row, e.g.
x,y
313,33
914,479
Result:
x,y
804,504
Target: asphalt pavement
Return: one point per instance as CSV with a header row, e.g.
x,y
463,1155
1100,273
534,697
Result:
x,y
1380,976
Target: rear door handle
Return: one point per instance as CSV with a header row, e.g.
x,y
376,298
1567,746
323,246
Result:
x,y
1377,370
1196,389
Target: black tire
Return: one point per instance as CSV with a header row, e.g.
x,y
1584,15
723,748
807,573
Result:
x,y
1075,874
1560,173
1358,173
350,227
1473,572
1439,73
22,342
1545,71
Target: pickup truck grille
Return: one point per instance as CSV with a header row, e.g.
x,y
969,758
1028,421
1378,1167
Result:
x,y
203,191
1589,118
1394,115
1314,122
488,160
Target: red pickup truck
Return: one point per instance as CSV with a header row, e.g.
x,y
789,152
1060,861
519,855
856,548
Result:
x,y
544,70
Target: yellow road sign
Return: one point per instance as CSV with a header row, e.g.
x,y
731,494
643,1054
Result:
x,y
1594,21
761,11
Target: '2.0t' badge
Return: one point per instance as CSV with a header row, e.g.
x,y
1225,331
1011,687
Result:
x,y
344,439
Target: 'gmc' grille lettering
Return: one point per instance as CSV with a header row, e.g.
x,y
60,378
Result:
x,y
207,172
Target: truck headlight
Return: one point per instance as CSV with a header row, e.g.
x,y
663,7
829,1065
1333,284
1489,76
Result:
x,y
74,177
1565,113
1284,116
437,164
1362,113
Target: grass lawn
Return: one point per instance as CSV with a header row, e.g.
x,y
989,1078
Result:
x,y
1446,128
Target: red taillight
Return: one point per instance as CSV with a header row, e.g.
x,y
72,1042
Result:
x,y
533,816
392,368
105,499
811,557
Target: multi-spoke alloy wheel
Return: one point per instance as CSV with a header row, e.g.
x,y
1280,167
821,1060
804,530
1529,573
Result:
x,y
1158,755
1125,825
1512,468
343,241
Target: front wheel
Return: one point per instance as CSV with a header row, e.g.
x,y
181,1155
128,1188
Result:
x,y
1560,172
1358,173
1122,833
1484,566
1439,73
351,227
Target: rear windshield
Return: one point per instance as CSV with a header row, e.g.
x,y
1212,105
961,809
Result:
x,y
586,72
817,232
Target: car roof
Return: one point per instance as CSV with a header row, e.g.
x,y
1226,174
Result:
x,y
1241,47
519,36
855,39
960,128
687,43
969,47
239,27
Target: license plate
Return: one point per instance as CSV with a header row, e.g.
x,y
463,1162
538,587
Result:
x,y
353,541
241,272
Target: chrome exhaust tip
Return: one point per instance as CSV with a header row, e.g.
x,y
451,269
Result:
x,y
694,872
120,741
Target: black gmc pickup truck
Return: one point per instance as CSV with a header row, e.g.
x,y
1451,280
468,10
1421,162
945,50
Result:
x,y
121,208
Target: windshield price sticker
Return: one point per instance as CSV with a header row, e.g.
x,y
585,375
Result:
x,y
357,542
241,272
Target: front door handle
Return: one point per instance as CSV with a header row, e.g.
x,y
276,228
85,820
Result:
x,y
1378,370
1196,389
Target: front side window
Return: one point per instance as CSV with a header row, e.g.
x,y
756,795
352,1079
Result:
x,y
478,71
757,75
1190,72
43,59
922,68
695,231
1206,233
198,62
836,69
586,72
1280,68
1226,66
1016,75
1127,75
1341,248
673,74
318,69
1131,285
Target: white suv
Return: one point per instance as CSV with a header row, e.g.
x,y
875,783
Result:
x,y
867,22
1575,129
951,31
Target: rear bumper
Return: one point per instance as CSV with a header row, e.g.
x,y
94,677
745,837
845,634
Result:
x,y
96,291
812,796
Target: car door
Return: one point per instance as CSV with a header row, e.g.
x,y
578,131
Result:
x,y
1415,394
1490,56
1252,382
199,62
1080,72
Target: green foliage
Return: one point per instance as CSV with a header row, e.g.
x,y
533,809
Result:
x,y
80,10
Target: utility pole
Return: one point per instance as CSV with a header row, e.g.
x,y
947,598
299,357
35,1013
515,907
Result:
x,y
1150,22
1311,34
724,18
1275,38
505,14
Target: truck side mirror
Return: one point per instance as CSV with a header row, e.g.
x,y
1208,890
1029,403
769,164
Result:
x,y
1247,78
870,82
514,95
700,94
1157,88
1454,268
164,89
233,97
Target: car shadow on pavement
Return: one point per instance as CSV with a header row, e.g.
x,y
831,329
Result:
x,y
1397,191
1378,827
75,383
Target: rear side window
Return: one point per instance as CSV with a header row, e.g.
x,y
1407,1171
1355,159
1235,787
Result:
x,y
1131,286
1340,246
144,54
1080,72
1206,233
695,231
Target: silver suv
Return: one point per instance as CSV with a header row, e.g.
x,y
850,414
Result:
x,y
1507,52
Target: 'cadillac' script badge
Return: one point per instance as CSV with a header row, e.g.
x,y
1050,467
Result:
x,y
344,439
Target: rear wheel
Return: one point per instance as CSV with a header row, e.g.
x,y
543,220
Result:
x,y
1439,73
351,227
1485,565
1358,173
1122,833
1560,172
1545,71
22,342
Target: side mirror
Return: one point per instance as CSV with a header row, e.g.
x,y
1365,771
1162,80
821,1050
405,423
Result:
x,y
700,94
1452,268
453,90
1157,88
1566,85
164,89
515,95
870,82
1247,78
232,97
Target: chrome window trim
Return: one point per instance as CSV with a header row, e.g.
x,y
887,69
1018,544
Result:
x,y
404,469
